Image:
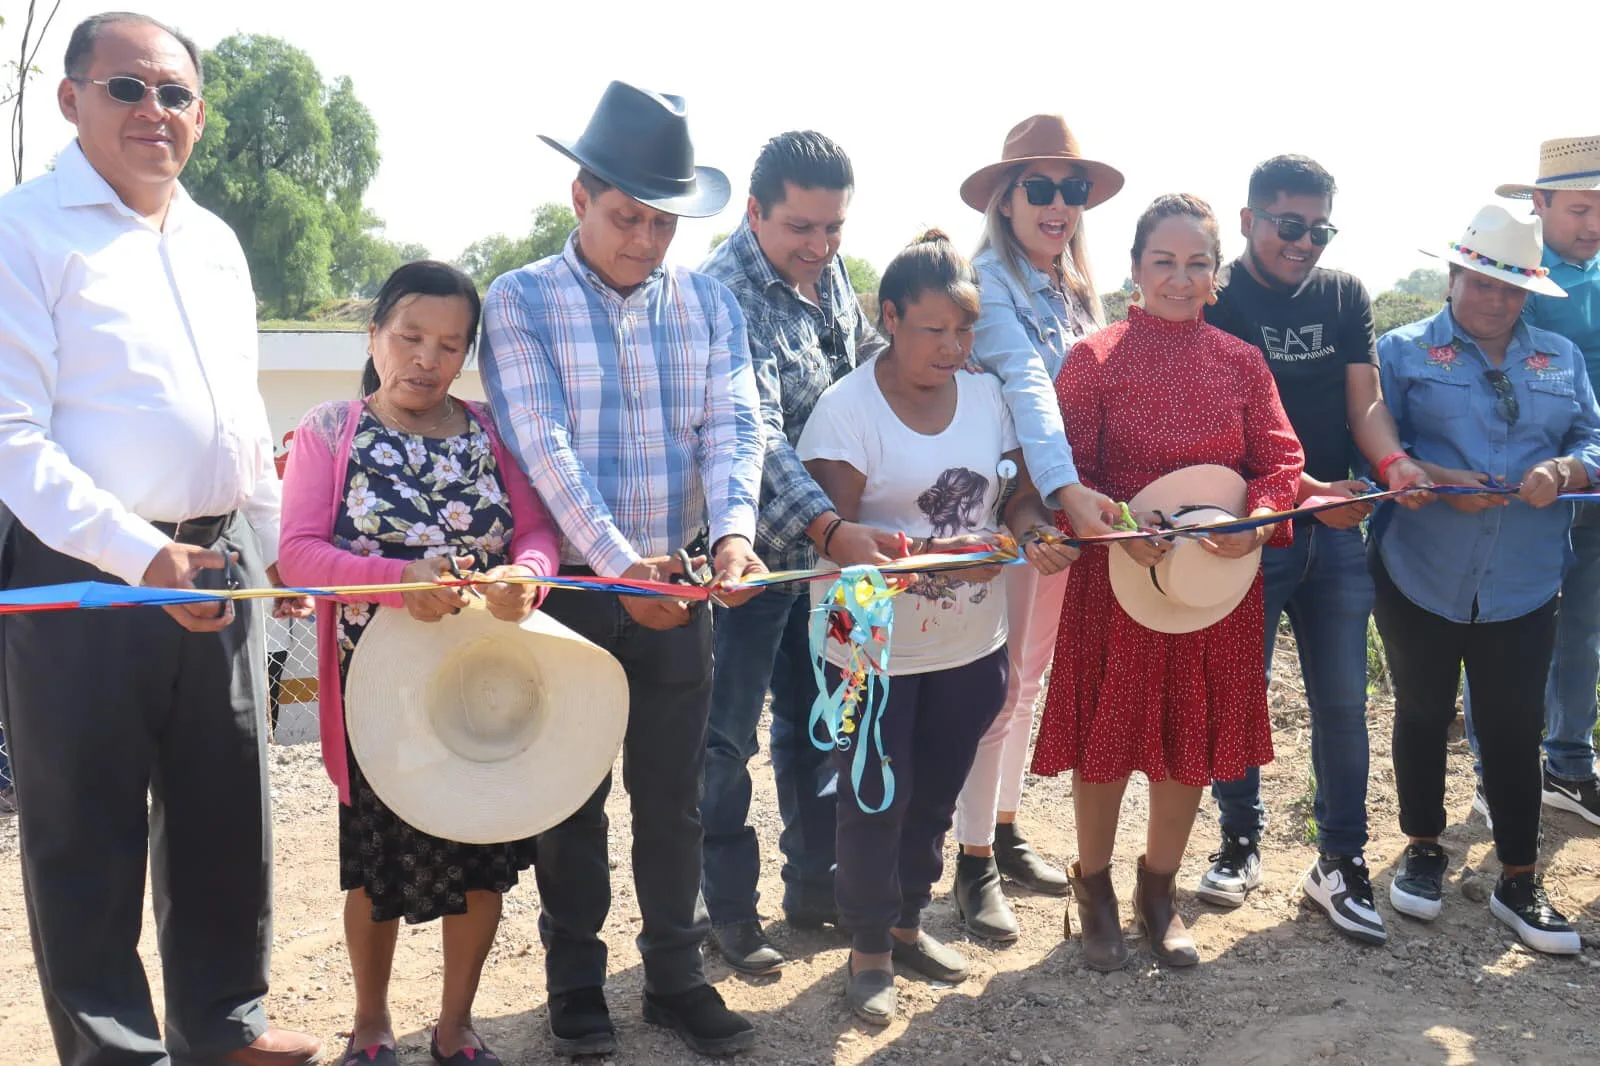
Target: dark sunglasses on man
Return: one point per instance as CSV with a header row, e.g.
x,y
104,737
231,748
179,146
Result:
x,y
1292,229
126,89
1041,191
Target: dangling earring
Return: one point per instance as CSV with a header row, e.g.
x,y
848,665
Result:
x,y
1137,296
1211,298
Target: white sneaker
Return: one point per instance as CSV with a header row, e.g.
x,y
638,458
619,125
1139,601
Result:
x,y
1343,887
1235,870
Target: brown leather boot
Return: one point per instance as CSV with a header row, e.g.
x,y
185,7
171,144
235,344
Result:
x,y
1155,909
1104,948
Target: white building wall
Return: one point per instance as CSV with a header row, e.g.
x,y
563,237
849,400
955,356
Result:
x,y
301,370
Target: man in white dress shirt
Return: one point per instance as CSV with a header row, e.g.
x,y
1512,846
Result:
x,y
134,445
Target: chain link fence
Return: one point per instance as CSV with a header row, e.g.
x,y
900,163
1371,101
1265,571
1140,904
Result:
x,y
292,678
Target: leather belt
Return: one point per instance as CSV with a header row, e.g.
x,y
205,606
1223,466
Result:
x,y
197,532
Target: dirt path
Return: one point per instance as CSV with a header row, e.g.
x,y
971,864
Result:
x,y
1276,984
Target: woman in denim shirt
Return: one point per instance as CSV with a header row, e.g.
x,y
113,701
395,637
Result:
x,y
1038,300
1481,398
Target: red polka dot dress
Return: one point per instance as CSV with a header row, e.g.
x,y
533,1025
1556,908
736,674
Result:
x,y
1141,399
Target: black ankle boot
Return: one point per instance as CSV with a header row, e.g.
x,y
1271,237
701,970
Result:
x,y
1017,860
980,902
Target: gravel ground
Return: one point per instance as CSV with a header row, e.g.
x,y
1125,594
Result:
x,y
1276,983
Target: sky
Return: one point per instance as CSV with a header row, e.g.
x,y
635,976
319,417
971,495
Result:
x,y
1419,108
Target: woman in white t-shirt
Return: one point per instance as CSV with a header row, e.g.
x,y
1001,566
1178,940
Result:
x,y
911,444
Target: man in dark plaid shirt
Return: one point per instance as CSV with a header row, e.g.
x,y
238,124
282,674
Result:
x,y
806,331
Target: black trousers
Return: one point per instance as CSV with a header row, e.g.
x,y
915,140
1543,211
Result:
x,y
669,684
1507,664
132,738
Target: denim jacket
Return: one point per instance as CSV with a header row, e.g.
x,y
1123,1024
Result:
x,y
1503,562
1022,337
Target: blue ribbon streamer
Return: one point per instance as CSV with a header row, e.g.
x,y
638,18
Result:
x,y
826,726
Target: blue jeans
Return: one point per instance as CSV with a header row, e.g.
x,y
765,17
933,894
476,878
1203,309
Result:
x,y
1569,701
1322,582
765,644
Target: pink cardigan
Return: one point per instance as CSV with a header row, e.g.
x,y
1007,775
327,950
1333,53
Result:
x,y
313,495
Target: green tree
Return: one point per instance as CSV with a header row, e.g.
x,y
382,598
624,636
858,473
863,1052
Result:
x,y
285,161
863,275
1394,308
1116,303
1426,282
488,258
716,240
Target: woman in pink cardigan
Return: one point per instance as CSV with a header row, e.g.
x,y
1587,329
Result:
x,y
388,489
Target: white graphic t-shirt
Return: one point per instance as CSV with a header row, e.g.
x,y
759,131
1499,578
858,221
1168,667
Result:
x,y
942,485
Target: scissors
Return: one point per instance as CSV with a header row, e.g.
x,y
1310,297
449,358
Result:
x,y
455,571
699,578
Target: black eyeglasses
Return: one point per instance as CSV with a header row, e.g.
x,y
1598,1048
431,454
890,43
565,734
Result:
x,y
1042,191
125,89
1292,229
1505,404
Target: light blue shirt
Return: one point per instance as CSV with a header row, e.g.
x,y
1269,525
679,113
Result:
x,y
1022,337
1503,562
1576,318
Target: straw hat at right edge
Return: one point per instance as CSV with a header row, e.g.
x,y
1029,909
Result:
x,y
1565,163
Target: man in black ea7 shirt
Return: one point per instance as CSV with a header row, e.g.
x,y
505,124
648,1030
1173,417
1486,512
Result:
x,y
1314,327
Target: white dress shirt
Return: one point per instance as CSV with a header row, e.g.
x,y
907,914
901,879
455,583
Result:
x,y
128,387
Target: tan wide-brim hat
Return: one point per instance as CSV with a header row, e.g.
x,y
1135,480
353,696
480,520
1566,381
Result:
x,y
1503,248
1190,588
482,731
1565,163
1042,138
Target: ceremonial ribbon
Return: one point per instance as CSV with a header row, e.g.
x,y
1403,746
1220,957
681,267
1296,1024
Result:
x,y
93,594
857,611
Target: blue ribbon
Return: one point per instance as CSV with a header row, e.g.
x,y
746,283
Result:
x,y
826,726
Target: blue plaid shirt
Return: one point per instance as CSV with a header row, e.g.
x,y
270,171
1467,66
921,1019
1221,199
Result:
x,y
799,348
635,416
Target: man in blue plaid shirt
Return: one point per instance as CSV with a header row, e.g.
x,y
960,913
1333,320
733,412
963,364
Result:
x,y
624,388
806,331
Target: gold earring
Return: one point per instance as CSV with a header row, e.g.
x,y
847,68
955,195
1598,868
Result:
x,y
1136,296
1211,298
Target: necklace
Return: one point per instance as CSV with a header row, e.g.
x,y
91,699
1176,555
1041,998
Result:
x,y
392,417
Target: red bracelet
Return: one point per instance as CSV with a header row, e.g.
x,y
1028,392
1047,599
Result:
x,y
1386,462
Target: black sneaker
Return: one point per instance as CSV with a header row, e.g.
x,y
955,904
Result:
x,y
1520,903
1235,870
747,948
1342,886
703,1021
1580,797
580,1023
1418,885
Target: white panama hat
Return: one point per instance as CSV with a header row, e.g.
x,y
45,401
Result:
x,y
1498,245
1190,588
483,731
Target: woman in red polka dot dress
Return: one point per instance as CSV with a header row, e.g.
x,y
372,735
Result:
x,y
1143,398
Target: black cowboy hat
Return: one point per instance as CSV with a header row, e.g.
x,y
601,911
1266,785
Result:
x,y
639,141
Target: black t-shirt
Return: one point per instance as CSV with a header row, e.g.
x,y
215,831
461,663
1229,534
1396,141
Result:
x,y
1308,337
